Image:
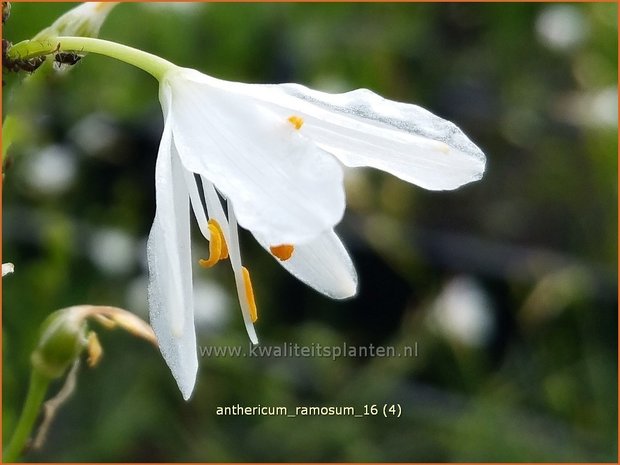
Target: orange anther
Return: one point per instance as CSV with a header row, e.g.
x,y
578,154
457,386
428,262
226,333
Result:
x,y
283,252
224,251
249,293
217,245
296,121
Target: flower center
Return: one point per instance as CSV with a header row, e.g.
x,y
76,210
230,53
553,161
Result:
x,y
283,252
218,250
296,121
249,292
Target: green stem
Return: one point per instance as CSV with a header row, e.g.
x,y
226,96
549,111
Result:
x,y
30,412
152,64
10,132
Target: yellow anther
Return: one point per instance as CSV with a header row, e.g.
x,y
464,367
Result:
x,y
283,252
224,247
249,292
218,250
296,121
94,349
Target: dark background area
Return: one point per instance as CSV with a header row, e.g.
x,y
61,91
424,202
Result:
x,y
508,286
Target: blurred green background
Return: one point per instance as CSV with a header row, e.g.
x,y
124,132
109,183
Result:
x,y
508,285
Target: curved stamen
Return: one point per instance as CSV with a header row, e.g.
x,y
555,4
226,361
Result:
x,y
217,245
242,288
224,250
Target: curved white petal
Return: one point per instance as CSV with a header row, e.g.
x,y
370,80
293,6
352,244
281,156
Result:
x,y
281,184
323,264
362,128
170,271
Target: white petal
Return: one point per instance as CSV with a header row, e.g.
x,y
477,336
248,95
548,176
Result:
x,y
170,272
281,185
323,264
362,128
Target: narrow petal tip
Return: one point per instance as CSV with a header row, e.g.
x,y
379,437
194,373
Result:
x,y
346,289
187,390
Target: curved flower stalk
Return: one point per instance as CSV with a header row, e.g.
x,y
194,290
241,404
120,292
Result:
x,y
274,152
84,20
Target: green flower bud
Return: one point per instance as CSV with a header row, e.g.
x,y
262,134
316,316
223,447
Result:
x,y
65,335
63,338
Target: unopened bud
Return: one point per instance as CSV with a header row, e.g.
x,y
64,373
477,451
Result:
x,y
63,337
84,20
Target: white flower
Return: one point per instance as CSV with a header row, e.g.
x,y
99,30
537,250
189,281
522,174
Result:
x,y
272,154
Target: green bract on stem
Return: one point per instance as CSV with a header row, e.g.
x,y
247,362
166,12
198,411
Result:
x,y
148,62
